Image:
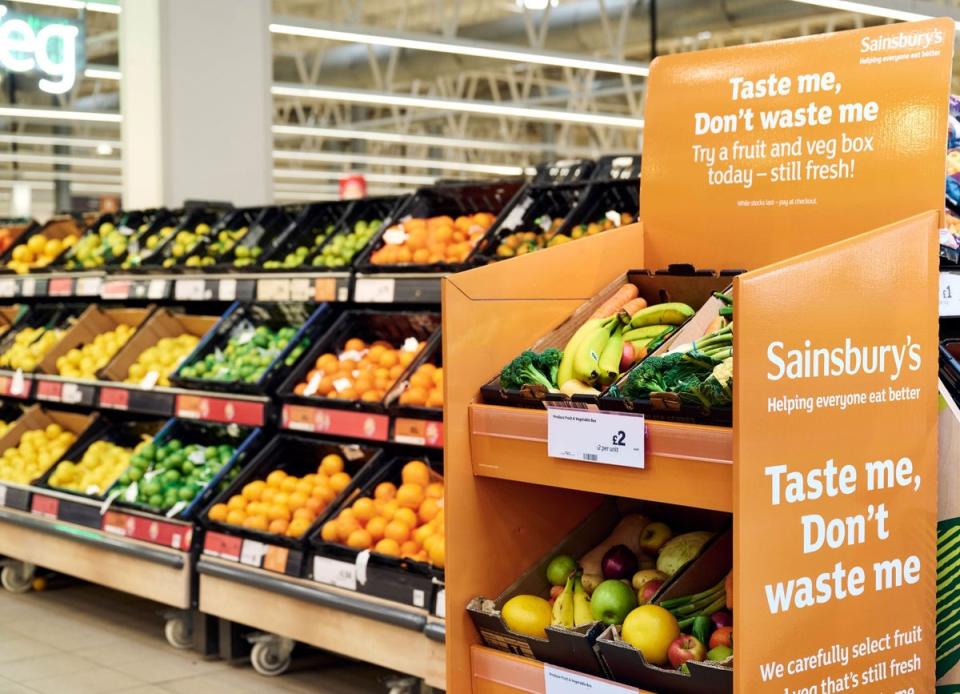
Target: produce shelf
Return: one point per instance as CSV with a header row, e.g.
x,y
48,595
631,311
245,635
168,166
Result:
x,y
151,571
686,464
496,672
329,618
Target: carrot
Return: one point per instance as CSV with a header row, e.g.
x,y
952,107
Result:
x,y
609,307
631,307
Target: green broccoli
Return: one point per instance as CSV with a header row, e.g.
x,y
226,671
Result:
x,y
548,363
525,370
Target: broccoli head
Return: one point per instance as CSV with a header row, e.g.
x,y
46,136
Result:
x,y
524,370
548,363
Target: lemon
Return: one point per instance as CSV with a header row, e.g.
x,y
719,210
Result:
x,y
36,243
528,615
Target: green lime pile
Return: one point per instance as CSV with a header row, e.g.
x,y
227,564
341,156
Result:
x,y
163,475
98,248
246,356
299,255
145,246
342,248
204,253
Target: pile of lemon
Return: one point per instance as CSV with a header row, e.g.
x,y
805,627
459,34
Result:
x,y
37,451
84,362
163,359
101,465
38,251
30,346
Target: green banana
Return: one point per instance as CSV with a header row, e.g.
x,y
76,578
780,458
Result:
x,y
609,361
565,370
647,331
581,603
586,365
673,313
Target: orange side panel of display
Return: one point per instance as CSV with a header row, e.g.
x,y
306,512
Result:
x,y
496,529
835,460
755,154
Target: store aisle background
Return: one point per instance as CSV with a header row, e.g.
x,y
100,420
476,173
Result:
x,y
82,638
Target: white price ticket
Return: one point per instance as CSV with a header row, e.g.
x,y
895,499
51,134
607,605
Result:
x,y
560,681
611,438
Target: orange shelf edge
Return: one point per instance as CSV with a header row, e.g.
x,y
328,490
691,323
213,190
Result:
x,y
689,465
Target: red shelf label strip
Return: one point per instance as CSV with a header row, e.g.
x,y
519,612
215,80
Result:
x,y
373,427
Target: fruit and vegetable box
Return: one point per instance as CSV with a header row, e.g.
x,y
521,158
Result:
x,y
613,569
35,333
608,337
92,340
252,347
418,393
166,246
39,246
387,539
361,359
238,243
107,241
439,229
286,492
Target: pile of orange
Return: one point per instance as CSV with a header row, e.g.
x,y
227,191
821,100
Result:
x,y
358,372
434,240
283,504
404,521
425,387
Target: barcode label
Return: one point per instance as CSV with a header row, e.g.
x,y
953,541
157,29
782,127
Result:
x,y
573,405
590,457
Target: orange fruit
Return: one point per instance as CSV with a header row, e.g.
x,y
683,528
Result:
x,y
416,472
435,490
305,486
331,367
428,510
397,531
297,528
435,398
347,513
406,358
389,509
256,523
438,554
359,539
331,464
304,514
409,548
297,500
257,508
275,478
410,495
278,512
385,491
219,513
323,494
389,547
236,517
329,532
376,527
345,526
364,509
431,541
281,498
289,485
421,380
278,526
237,503
354,344
389,359
395,372
314,505
407,516
422,533
266,496
339,481
370,396
253,490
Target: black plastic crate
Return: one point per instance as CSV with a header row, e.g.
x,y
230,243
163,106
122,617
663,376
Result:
x,y
162,255
265,224
950,365
317,220
536,212
137,248
370,326
454,200
203,246
35,229
432,353
402,580
246,441
369,211
605,205
613,167
49,316
296,456
307,321
563,171
128,223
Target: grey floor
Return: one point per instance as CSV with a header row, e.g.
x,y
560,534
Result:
x,y
79,638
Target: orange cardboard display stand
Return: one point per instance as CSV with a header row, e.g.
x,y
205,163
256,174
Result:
x,y
818,289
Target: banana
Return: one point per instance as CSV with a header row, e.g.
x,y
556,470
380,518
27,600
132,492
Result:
x,y
581,604
609,361
673,313
646,332
565,614
586,365
556,616
565,370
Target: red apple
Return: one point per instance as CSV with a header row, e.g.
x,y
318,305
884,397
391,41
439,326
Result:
x,y
722,637
627,357
685,648
650,589
555,591
619,562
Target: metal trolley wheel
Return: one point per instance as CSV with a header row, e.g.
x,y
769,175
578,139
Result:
x,y
179,631
271,656
17,576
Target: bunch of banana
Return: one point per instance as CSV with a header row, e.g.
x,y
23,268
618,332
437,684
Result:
x,y
572,607
603,348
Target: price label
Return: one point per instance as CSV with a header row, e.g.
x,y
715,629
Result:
x,y
8,287
227,290
116,289
273,290
325,289
251,553
3,495
157,289
441,609
949,294
28,286
374,291
557,680
335,573
18,383
88,286
71,393
301,290
611,438
190,290
60,286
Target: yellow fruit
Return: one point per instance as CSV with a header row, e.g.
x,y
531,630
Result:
x,y
528,615
37,243
53,248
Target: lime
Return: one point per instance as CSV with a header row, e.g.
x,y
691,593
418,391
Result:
x,y
155,501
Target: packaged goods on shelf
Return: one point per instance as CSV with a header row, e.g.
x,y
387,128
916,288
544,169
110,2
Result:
x,y
36,441
439,229
395,516
251,347
559,609
35,334
360,359
40,246
92,341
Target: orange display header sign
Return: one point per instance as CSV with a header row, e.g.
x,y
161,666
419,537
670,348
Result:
x,y
778,148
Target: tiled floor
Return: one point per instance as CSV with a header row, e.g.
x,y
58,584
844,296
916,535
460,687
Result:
x,y
78,638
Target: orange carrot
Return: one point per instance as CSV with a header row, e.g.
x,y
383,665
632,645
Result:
x,y
626,293
632,307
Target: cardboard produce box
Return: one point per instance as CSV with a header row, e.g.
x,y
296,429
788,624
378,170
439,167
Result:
x,y
575,648
162,323
89,324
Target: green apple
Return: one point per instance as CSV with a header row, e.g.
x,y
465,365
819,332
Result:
x,y
559,568
612,601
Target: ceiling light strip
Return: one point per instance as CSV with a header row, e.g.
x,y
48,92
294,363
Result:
x,y
58,140
106,7
347,158
59,114
98,72
913,10
315,175
23,158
